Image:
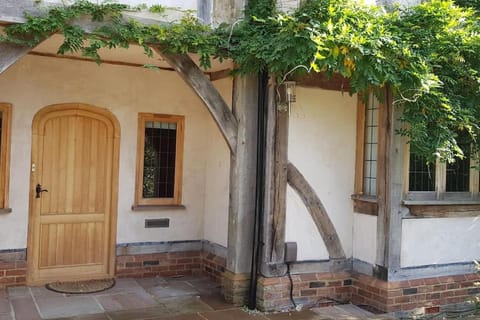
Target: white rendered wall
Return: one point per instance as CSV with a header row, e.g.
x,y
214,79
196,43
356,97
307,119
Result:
x,y
217,180
365,237
440,241
35,82
322,146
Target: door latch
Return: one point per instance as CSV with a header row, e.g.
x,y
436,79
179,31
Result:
x,y
39,190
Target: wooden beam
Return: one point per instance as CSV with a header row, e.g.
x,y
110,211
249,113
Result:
x,y
221,74
206,91
320,80
280,184
317,211
390,176
102,61
11,53
444,211
241,218
276,149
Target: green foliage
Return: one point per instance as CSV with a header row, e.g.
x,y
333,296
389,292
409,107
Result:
x,y
428,54
157,8
113,31
475,4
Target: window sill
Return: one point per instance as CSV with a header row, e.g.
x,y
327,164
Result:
x,y
5,210
157,207
442,208
365,204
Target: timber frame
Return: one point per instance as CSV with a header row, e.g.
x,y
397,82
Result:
x,y
5,146
234,127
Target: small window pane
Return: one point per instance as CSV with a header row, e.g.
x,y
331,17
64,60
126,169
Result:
x,y
421,176
370,147
458,173
159,160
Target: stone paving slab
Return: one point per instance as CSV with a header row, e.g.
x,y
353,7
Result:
x,y
123,285
173,289
140,314
4,306
237,314
57,307
184,305
183,317
187,298
347,311
18,291
216,302
24,308
294,315
126,300
100,316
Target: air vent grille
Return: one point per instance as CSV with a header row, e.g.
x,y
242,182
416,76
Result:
x,y
157,223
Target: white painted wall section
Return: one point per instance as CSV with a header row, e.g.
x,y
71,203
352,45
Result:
x,y
440,241
322,146
36,82
217,171
301,228
364,237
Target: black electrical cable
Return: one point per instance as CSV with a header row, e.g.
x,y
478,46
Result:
x,y
291,285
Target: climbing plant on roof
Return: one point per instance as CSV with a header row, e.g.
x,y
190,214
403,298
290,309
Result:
x,y
428,54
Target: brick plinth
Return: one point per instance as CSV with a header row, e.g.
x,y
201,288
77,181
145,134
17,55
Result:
x,y
235,287
165,264
309,289
410,294
213,266
13,269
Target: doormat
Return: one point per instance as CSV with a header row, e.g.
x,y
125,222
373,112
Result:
x,y
79,287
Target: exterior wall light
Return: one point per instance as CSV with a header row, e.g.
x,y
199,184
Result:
x,y
286,95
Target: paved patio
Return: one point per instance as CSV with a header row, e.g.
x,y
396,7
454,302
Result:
x,y
154,298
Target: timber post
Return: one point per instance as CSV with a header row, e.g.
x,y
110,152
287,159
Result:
x,y
242,191
276,155
390,189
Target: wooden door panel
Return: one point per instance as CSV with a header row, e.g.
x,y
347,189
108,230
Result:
x,y
74,166
74,150
66,244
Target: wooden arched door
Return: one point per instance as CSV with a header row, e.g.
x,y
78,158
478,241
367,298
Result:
x,y
72,226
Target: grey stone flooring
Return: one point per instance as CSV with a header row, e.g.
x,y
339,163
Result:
x,y
149,299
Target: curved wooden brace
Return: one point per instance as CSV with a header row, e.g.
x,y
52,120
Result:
x,y
11,53
316,209
206,91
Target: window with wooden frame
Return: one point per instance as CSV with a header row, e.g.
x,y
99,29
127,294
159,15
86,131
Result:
x,y
159,159
369,149
5,133
457,181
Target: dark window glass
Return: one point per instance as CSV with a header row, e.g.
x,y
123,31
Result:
x,y
370,147
421,176
159,159
458,173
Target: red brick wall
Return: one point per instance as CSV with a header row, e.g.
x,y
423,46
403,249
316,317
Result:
x,y
13,269
310,289
170,264
13,266
213,266
410,294
165,264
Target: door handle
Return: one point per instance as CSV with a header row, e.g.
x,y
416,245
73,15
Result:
x,y
39,190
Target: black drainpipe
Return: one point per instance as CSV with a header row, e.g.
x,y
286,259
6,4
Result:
x,y
259,187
